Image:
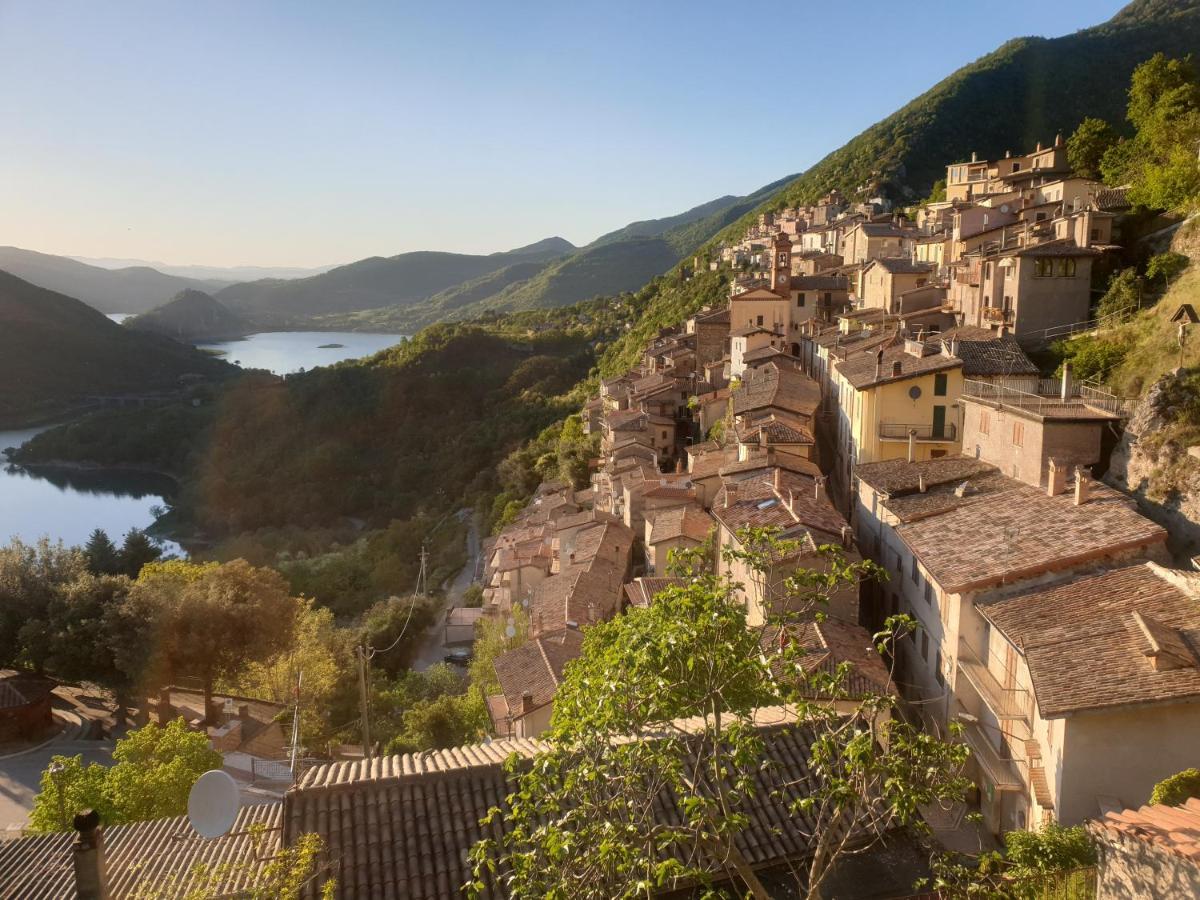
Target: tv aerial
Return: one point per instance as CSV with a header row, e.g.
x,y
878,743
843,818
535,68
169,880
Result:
x,y
213,804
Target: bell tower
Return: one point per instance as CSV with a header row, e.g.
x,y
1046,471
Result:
x,y
781,264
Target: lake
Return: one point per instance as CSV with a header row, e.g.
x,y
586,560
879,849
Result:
x,y
67,504
284,352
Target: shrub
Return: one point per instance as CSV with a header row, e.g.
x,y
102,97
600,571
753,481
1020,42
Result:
x,y
1175,790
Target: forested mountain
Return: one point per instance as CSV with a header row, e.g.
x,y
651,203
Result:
x,y
191,317
377,282
1027,91
130,290
54,350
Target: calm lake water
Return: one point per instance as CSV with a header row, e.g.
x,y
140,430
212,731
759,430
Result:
x,y
284,352
67,504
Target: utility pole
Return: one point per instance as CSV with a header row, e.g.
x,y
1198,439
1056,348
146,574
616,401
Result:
x,y
296,722
361,652
422,576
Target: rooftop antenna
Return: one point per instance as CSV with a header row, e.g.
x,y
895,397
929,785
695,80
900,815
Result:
x,y
213,804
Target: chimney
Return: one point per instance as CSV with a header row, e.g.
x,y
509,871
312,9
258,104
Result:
x,y
1058,141
1068,386
591,612
847,537
243,711
1008,154
921,483
730,494
879,364
87,852
974,156
526,703
819,488
778,478
1056,483
1083,485
679,466
541,622
912,445
164,705
1039,147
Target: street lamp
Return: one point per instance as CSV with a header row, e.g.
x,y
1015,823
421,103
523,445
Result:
x,y
57,770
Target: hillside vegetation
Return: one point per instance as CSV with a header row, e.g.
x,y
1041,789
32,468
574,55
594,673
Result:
x,y
191,317
55,351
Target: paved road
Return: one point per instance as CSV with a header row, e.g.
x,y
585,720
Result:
x,y
433,649
20,776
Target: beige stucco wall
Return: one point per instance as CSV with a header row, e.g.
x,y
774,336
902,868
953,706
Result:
x,y
890,404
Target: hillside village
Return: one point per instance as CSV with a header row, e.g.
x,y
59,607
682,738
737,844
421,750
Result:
x,y
869,384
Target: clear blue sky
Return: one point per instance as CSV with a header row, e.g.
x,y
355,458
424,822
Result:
x,y
295,133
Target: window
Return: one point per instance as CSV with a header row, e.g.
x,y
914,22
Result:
x,y
929,592
936,454
1095,234
828,297
1066,268
799,299
760,321
937,668
899,567
924,644
664,435
939,385
1018,434
1041,267
913,573
1041,217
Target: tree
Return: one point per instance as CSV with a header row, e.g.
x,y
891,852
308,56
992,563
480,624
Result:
x,y
690,655
1123,297
394,627
30,577
153,772
216,620
1167,266
1176,790
102,555
1087,146
1164,107
136,551
450,720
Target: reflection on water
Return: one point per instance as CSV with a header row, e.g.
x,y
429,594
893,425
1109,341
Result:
x,y
284,352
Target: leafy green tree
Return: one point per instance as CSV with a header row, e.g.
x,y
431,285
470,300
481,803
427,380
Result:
x,y
1091,357
691,655
449,720
103,558
1177,789
30,577
137,550
1167,266
154,769
1164,107
1087,146
491,640
1123,297
216,620
395,627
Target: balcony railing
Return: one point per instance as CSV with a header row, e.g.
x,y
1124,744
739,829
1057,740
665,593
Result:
x,y
1044,396
996,314
1005,702
892,432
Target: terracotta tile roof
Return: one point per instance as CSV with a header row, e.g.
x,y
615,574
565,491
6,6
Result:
x,y
1020,532
761,462
831,643
163,853
864,370
781,387
762,353
778,431
899,476
1173,829
753,329
792,506
1113,198
984,353
940,498
819,283
642,590
1065,247
1089,642
717,317
402,826
580,593
689,521
537,667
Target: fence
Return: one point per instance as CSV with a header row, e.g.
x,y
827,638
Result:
x,y
278,769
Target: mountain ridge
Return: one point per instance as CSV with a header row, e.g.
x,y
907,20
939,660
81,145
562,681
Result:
x,y
191,316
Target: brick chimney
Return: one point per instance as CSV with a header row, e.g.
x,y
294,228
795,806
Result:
x,y
1056,483
819,491
87,854
777,479
526,703
1083,485
731,492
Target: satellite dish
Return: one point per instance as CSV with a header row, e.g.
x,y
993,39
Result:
x,y
213,804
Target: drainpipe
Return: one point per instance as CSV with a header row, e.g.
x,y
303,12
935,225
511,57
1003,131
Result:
x,y
912,445
87,852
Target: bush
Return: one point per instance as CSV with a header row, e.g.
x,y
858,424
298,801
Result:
x,y
1124,295
1050,849
1174,791
1090,356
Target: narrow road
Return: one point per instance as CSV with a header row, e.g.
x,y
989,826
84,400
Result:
x,y
21,775
433,649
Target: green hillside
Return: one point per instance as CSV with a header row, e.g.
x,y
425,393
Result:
x,y
1027,91
134,289
375,282
191,317
55,351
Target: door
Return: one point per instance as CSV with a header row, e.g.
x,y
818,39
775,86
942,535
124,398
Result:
x,y
939,422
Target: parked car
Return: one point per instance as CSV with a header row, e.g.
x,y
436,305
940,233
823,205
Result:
x,y
459,656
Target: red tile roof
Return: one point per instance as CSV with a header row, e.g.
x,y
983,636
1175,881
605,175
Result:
x,y
1173,829
537,667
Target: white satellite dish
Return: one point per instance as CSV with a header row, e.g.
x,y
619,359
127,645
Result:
x,y
213,804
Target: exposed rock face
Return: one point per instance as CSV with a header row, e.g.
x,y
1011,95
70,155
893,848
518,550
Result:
x,y
1152,463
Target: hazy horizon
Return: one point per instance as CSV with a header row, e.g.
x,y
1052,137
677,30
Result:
x,y
277,135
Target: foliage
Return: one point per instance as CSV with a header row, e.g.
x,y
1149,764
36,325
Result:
x,y
285,875
394,627
102,554
30,578
154,769
1124,295
450,720
1087,146
1092,356
691,654
491,641
137,550
473,596
1168,266
1174,791
1052,848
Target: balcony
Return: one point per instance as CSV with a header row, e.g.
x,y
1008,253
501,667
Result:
x,y
925,433
996,314
1003,773
1047,397
1008,704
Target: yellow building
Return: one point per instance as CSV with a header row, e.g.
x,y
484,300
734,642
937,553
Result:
x,y
896,402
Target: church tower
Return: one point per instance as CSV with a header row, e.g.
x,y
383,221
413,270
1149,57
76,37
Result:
x,y
781,264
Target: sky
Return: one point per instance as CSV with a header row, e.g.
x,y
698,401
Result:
x,y
304,134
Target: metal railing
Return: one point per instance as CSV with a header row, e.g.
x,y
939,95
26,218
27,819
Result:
x,y
1005,702
278,770
893,432
1044,396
